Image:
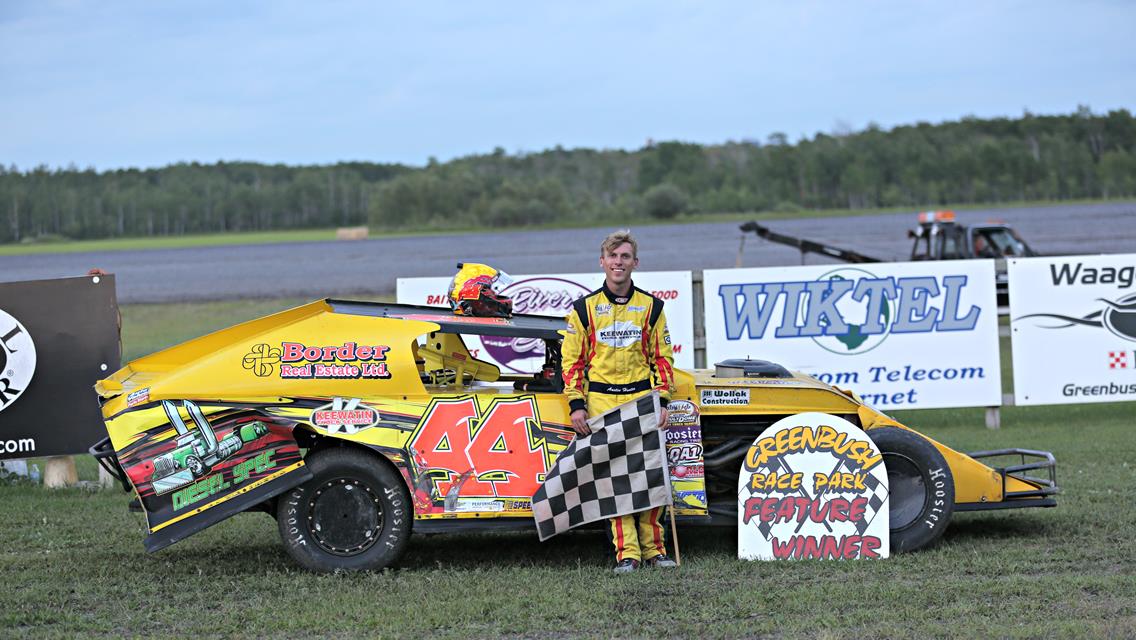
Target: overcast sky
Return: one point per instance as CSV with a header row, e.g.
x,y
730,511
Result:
x,y
144,84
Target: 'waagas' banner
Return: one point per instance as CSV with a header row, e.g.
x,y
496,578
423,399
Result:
x,y
1073,328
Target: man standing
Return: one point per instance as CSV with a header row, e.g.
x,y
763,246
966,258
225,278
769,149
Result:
x,y
617,341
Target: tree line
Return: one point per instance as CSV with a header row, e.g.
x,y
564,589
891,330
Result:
x,y
970,161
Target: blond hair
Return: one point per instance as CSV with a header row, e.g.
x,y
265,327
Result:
x,y
616,238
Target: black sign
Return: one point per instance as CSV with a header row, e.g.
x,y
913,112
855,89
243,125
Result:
x,y
57,338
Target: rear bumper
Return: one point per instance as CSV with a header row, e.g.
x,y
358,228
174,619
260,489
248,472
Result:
x,y
103,452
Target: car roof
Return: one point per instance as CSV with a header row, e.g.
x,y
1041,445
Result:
x,y
517,326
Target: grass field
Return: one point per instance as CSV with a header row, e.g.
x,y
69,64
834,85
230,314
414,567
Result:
x,y
73,562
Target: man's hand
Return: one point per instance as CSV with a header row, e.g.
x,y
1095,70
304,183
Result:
x,y
580,422
662,418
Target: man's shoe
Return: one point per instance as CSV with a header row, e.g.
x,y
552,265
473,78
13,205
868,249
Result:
x,y
627,565
661,561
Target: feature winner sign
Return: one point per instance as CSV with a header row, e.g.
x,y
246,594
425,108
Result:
x,y
813,486
902,336
553,295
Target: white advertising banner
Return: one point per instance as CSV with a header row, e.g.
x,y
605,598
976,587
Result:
x,y
1073,329
911,335
553,295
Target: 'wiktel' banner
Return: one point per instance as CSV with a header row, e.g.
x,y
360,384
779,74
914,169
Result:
x,y
912,335
1073,328
57,338
553,295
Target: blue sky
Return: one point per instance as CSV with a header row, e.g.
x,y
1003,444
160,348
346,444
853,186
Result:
x,y
118,84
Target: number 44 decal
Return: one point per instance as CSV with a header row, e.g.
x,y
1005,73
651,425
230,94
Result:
x,y
502,447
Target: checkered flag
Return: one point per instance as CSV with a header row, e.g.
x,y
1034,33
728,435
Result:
x,y
619,469
878,492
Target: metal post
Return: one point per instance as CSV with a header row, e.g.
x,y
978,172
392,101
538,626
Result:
x,y
699,319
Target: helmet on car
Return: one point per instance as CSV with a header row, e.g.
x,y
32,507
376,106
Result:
x,y
476,291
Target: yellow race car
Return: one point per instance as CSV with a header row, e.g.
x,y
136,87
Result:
x,y
356,423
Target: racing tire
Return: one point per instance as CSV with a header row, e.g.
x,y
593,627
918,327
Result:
x,y
920,485
354,514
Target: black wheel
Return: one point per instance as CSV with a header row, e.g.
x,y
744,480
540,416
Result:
x,y
921,488
195,466
353,515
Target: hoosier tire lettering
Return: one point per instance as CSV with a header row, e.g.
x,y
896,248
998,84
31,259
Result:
x,y
922,489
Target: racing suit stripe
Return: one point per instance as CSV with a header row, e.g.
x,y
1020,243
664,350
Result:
x,y
662,369
591,334
574,351
645,337
620,540
657,529
665,372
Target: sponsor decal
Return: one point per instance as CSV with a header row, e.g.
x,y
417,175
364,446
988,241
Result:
x,y
347,352
1117,359
690,501
1117,316
17,359
724,397
756,382
458,319
197,452
813,486
141,396
261,360
685,457
634,308
298,360
620,334
682,471
679,455
681,413
344,415
214,484
603,309
478,505
684,435
846,311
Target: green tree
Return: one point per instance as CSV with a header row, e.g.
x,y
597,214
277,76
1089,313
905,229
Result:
x,y
665,201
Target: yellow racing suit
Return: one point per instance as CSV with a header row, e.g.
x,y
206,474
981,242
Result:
x,y
617,349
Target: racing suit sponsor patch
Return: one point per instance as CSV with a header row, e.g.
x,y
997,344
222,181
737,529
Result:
x,y
620,334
